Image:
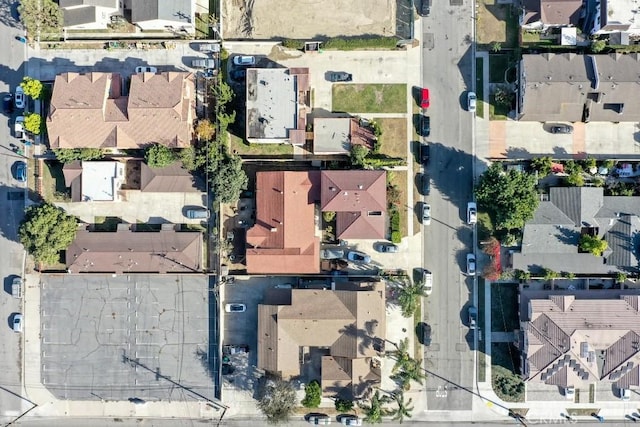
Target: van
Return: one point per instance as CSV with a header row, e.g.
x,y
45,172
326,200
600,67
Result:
x,y
16,288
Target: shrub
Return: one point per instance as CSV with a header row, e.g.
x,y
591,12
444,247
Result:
x,y
344,405
312,395
159,156
328,216
293,44
621,277
507,385
33,123
592,244
395,220
360,43
32,87
396,237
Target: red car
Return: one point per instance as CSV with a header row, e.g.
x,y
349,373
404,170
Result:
x,y
424,98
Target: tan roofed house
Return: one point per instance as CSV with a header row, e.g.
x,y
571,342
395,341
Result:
x,y
90,111
284,238
346,327
359,198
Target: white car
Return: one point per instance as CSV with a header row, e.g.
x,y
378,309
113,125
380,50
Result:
x,y
426,214
19,98
244,61
472,213
16,325
146,70
18,127
235,308
427,277
471,264
471,101
350,420
570,393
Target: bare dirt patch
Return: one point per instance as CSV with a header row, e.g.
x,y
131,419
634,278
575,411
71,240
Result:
x,y
492,25
307,19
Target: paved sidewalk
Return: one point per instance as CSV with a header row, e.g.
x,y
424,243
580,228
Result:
x,y
503,337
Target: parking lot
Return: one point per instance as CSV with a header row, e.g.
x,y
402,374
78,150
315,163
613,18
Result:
x,y
118,338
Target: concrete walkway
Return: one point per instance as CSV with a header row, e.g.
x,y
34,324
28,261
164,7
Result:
x,y
503,337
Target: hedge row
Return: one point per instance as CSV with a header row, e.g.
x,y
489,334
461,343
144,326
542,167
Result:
x,y
339,43
396,235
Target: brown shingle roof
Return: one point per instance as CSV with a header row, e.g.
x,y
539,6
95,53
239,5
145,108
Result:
x,y
360,199
89,111
346,322
560,12
169,179
283,239
125,251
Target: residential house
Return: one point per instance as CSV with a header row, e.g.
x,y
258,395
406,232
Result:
x,y
277,102
150,15
285,237
571,88
551,239
94,181
583,338
169,179
336,135
359,198
342,329
542,14
127,251
88,14
92,111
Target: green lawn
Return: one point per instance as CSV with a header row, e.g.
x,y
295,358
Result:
x,y
481,344
480,87
498,65
370,98
393,141
106,223
497,111
53,188
504,307
399,179
243,148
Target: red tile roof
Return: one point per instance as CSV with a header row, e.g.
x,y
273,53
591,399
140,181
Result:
x,y
284,238
89,111
360,200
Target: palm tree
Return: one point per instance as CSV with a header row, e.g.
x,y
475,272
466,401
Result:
x,y
411,370
374,411
401,354
404,408
408,295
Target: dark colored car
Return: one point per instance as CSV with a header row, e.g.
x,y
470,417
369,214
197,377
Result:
x,y
7,103
426,334
385,247
424,153
238,74
561,129
339,76
424,7
425,185
425,126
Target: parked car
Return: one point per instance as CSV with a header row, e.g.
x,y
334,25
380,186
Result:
x,y
426,214
425,126
238,74
137,401
357,256
426,334
16,324
472,213
235,308
427,278
7,103
21,39
350,420
235,349
339,76
471,264
385,247
425,102
20,171
244,61
146,70
424,154
625,394
319,419
425,7
18,127
473,316
331,254
284,286
561,128
425,185
204,63
209,47
16,287
570,393
471,101
19,98
197,213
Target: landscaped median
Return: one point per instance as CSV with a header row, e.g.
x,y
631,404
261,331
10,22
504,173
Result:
x,y
370,98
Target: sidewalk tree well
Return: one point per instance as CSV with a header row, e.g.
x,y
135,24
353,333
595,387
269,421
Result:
x,y
68,155
408,295
32,87
278,401
45,231
159,156
509,197
404,408
374,411
40,17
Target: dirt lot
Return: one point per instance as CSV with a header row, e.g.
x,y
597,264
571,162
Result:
x,y
306,19
496,24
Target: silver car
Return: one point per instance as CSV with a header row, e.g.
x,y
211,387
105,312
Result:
x,y
426,214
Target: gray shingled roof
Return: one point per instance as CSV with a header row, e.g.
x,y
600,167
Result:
x,y
170,10
558,87
78,16
102,3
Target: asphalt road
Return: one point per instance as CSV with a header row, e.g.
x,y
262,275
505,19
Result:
x,y
12,61
447,71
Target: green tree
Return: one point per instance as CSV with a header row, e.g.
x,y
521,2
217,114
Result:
x,y
374,411
409,294
508,386
191,158
40,17
404,408
328,216
411,370
358,154
510,197
592,244
159,156
549,274
68,155
32,87
504,97
523,276
312,395
229,179
205,130
278,401
223,92
45,231
542,165
621,277
33,123
590,163
598,46
343,405
575,179
496,46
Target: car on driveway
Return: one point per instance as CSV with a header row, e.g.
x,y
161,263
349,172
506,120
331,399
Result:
x,y
561,128
472,213
332,253
244,61
20,168
235,307
471,264
16,323
21,39
197,213
385,247
425,125
471,101
357,256
473,316
146,70
18,127
339,76
426,214
19,98
7,103
425,102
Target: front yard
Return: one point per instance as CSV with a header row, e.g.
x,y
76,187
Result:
x,y
369,98
242,148
393,141
497,24
504,307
